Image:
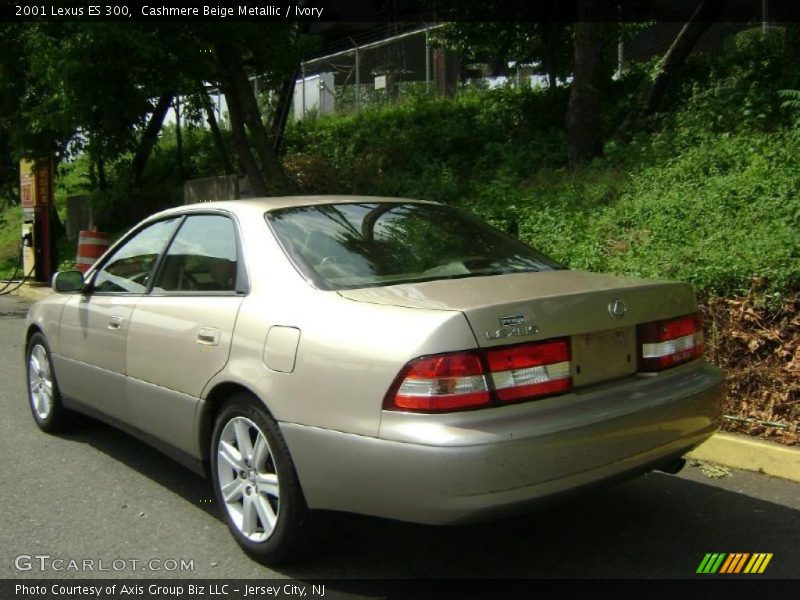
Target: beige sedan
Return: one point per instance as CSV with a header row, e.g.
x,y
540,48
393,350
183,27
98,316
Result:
x,y
374,355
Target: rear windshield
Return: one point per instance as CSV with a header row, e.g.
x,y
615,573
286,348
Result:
x,y
345,246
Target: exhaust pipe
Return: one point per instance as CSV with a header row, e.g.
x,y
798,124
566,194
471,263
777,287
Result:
x,y
673,467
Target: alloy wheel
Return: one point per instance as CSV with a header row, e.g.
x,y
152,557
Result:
x,y
40,382
248,478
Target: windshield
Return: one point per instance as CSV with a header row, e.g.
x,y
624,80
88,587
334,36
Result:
x,y
345,246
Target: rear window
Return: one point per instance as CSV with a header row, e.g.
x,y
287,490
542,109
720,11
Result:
x,y
345,246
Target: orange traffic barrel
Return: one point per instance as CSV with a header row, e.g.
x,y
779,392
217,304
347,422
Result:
x,y
91,245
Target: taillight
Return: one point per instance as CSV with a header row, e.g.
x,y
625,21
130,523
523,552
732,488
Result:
x,y
530,370
456,381
665,344
436,383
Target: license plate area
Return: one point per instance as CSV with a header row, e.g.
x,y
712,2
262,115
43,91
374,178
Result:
x,y
603,355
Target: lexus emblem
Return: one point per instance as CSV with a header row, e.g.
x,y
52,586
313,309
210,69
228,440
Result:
x,y
617,308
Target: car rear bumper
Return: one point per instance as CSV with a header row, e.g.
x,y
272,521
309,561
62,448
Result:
x,y
442,469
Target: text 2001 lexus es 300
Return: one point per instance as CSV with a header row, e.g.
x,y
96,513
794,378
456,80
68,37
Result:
x,y
375,355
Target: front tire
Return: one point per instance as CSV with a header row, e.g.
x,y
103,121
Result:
x,y
44,397
255,483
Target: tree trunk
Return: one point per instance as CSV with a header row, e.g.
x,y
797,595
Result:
x,y
438,61
791,53
498,64
149,137
583,111
102,182
679,51
98,213
277,183
277,123
178,137
548,58
241,144
211,119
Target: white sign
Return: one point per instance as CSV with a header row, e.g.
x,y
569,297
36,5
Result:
x,y
380,82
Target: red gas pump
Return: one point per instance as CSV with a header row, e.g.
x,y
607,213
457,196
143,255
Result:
x,y
38,239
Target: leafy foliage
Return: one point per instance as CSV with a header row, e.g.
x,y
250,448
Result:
x,y
547,44
10,224
720,212
712,197
71,88
737,90
791,104
428,148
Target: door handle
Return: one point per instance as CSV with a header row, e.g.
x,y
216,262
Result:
x,y
208,336
115,323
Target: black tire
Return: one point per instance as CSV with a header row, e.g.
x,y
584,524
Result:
x,y
290,535
57,418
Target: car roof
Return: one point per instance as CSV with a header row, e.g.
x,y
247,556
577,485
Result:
x,y
266,204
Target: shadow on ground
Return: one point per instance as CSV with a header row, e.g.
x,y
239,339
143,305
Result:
x,y
145,460
655,526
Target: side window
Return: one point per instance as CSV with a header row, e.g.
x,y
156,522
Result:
x,y
130,267
201,258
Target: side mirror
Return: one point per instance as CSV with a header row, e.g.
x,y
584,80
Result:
x,y
65,282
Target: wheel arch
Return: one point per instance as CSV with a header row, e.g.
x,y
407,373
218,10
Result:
x,y
214,400
32,330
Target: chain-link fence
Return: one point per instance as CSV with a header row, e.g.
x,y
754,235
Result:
x,y
410,64
367,75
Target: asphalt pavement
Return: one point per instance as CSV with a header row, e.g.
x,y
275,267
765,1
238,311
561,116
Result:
x,y
99,495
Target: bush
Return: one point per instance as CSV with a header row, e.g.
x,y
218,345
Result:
x,y
10,232
429,148
714,205
723,214
121,205
737,90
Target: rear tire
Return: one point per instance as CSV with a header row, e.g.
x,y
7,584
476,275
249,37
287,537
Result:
x,y
255,483
44,397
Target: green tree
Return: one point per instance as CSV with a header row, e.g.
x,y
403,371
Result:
x,y
230,57
104,89
546,43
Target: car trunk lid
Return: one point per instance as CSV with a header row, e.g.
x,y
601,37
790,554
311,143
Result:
x,y
599,313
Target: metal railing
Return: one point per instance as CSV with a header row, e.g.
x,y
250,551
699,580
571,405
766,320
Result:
x,y
366,75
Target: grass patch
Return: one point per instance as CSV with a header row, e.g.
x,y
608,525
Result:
x,y
718,209
722,214
10,233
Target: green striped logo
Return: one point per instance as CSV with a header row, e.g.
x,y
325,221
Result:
x,y
734,563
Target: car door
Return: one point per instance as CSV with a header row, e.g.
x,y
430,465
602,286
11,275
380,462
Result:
x,y
93,327
180,333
